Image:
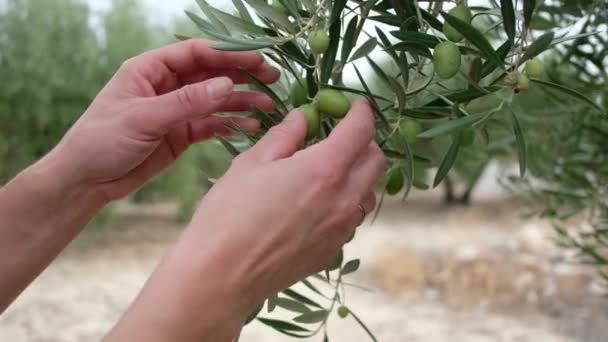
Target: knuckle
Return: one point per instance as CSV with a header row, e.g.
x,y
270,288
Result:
x,y
328,175
128,65
186,97
239,161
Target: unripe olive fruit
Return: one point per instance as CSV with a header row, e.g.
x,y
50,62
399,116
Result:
x,y
318,41
395,181
461,12
447,59
343,311
535,68
279,6
313,120
468,137
333,103
299,94
410,129
523,83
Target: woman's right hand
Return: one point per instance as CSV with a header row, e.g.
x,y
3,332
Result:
x,y
279,215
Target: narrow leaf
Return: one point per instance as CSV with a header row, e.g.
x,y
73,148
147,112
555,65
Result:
x,y
448,160
522,150
364,50
351,266
282,325
349,39
568,91
242,9
451,126
300,298
266,89
474,37
409,169
228,146
508,17
539,46
312,317
529,7
272,14
291,305
329,57
208,10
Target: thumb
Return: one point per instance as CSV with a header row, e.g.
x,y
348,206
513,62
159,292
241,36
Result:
x,y
186,103
282,140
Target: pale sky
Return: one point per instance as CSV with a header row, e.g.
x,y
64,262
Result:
x,y
163,8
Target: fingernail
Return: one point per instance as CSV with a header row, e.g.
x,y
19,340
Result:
x,y
219,88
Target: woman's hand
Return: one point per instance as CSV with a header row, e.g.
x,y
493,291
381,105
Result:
x,y
156,106
279,215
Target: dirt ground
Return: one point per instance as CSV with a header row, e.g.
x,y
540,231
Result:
x,y
475,273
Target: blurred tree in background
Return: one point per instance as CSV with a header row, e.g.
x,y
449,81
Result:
x,y
53,61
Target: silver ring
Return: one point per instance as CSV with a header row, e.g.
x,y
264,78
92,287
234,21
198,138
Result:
x,y
363,213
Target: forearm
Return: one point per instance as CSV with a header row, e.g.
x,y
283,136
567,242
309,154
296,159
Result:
x,y
197,293
41,211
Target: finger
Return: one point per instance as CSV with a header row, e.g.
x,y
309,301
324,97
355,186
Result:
x,y
368,204
367,170
196,54
206,128
242,101
156,115
264,73
281,141
351,136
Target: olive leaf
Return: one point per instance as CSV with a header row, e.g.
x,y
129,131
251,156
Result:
x,y
329,57
209,12
508,17
300,298
364,50
271,13
349,40
522,149
529,7
448,160
474,37
464,96
568,91
228,146
312,317
266,89
242,9
282,325
452,126
291,305
388,19
539,46
409,169
374,103
351,266
417,38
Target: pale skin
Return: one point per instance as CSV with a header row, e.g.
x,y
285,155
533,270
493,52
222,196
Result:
x,y
279,214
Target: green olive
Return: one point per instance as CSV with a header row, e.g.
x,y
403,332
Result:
x,y
395,181
299,94
318,41
523,83
332,103
447,59
313,120
410,129
468,137
461,12
535,68
343,311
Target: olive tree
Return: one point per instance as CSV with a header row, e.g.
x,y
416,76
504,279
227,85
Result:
x,y
453,74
